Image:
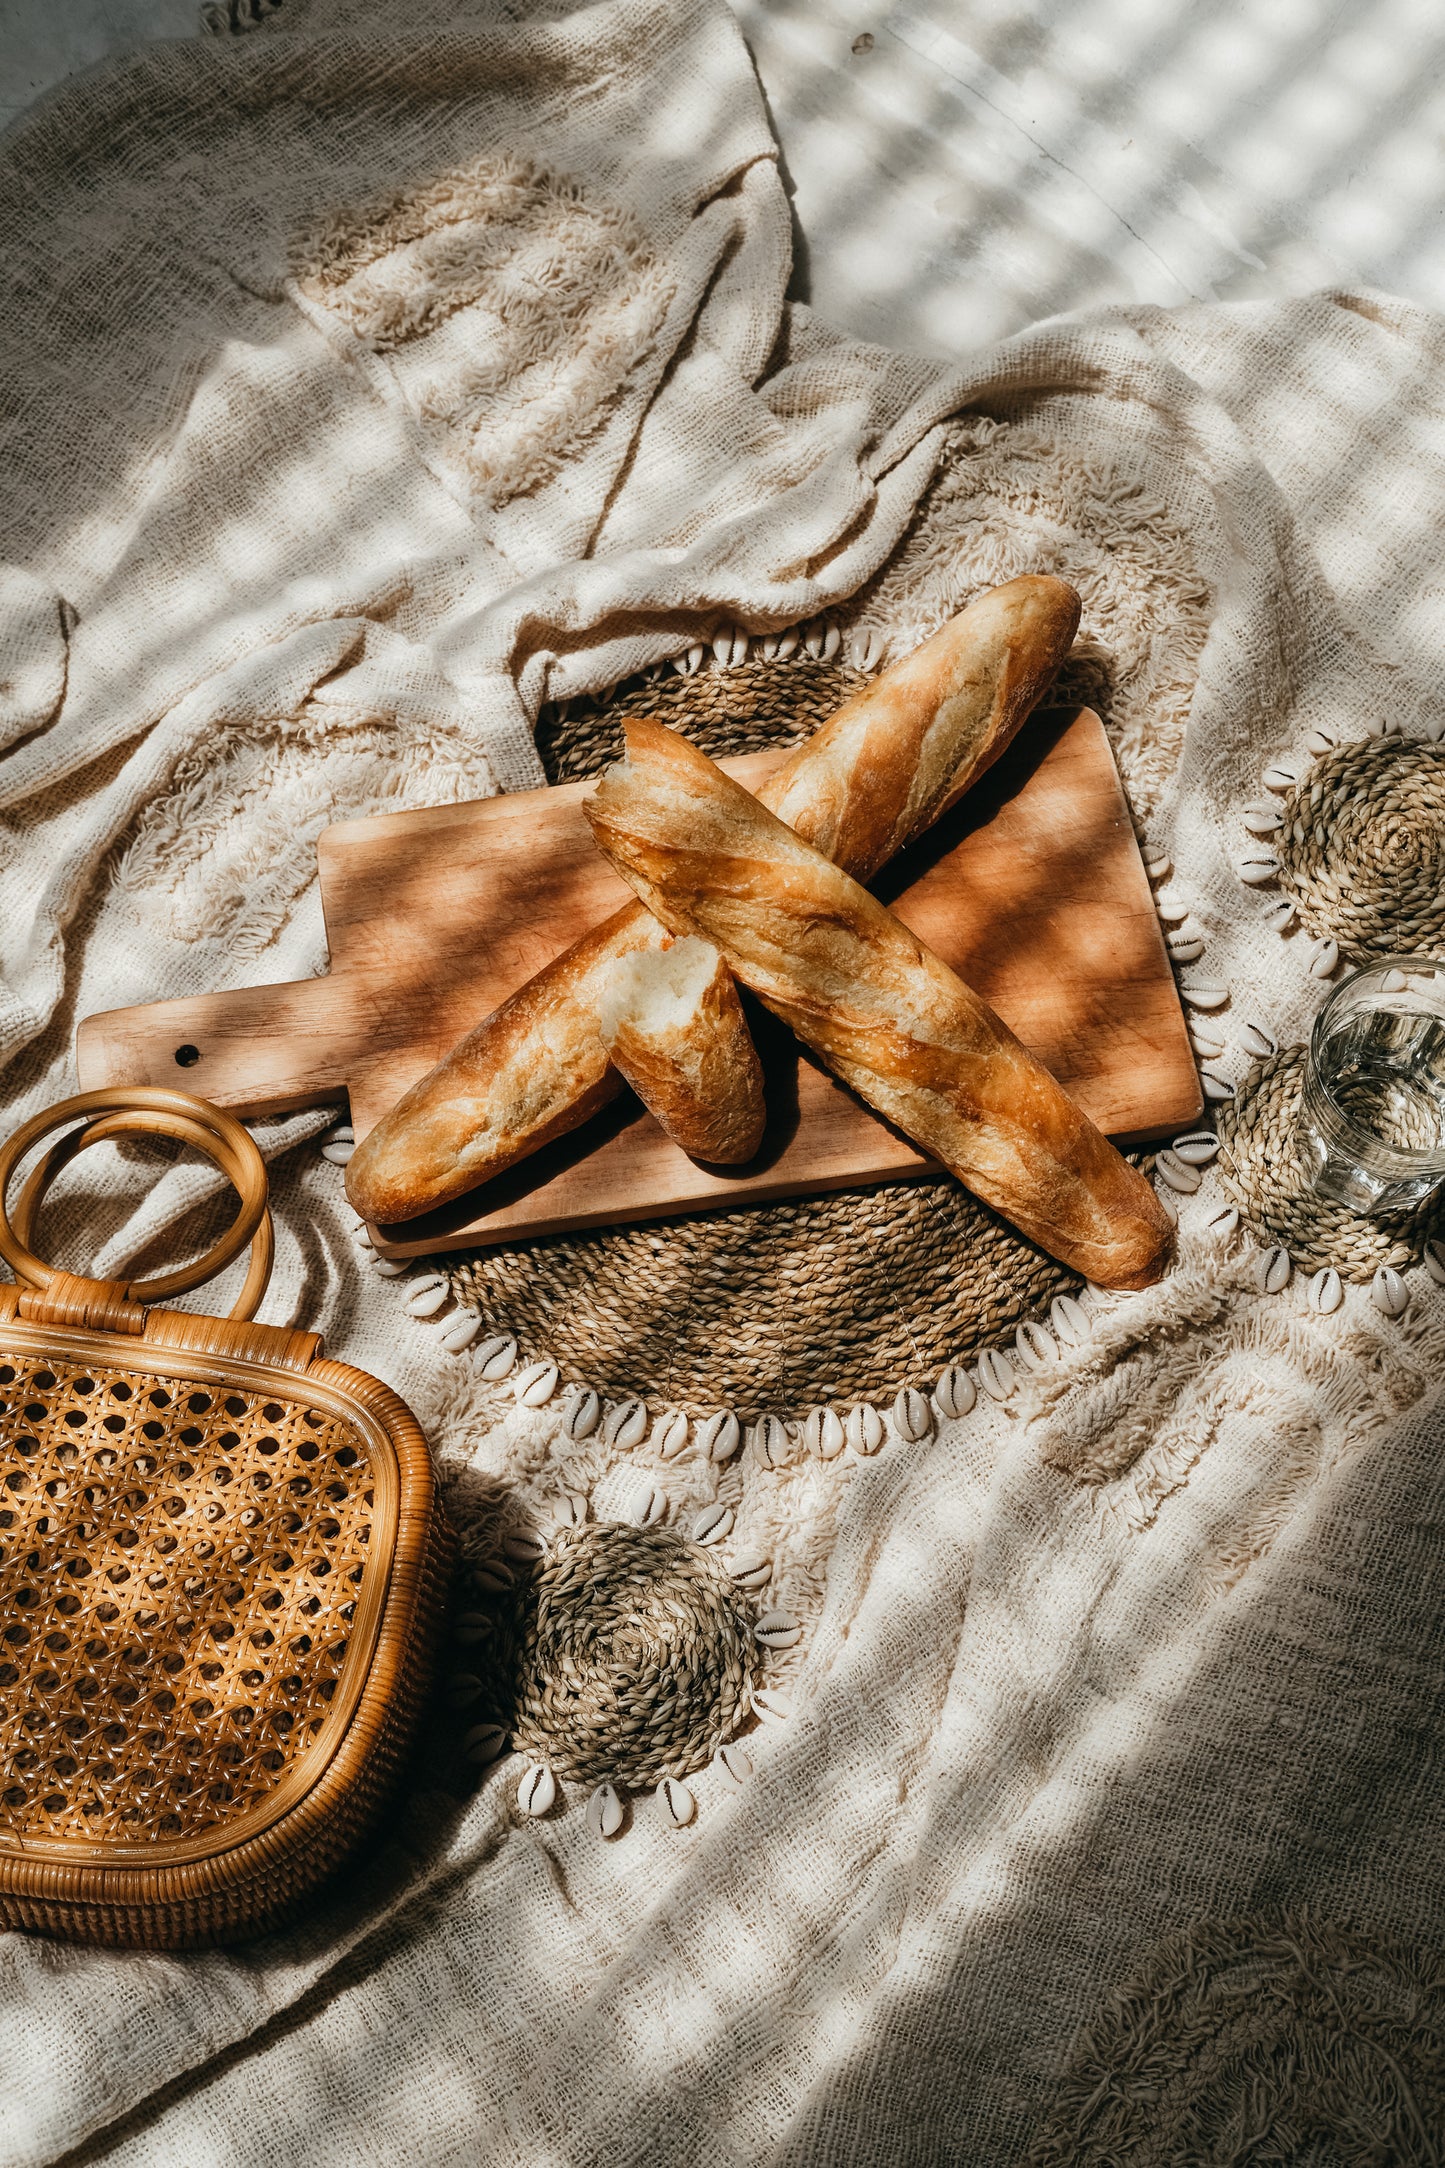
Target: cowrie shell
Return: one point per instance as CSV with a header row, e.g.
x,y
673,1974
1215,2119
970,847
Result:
x,y
1385,726
778,1630
646,1506
460,1331
1070,1320
730,646
1434,1261
1215,1087
771,1706
1204,996
1036,1345
863,1429
463,1688
535,1385
1435,729
1158,866
787,643
1185,948
911,1417
1224,1222
470,1628
569,1511
605,1811
341,1133
1272,1269
1321,740
823,1433
537,1791
496,1356
752,1570
1256,1040
1326,1291
1281,914
1167,1205
1324,957
773,1443
484,1743
734,1762
1196,1147
1394,982
523,1546
1262,820
428,1295
338,1152
675,1804
669,1434
1388,1292
626,1425
995,1374
1174,1169
1283,773
813,642
719,1436
955,1394
1206,1044
1171,906
584,1413
690,663
768,647
713,1524
1256,867
493,1576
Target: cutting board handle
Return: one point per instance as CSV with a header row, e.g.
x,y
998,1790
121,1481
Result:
x,y
256,1050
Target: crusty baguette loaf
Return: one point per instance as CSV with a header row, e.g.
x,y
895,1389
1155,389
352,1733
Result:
x,y
673,1025
885,1013
874,776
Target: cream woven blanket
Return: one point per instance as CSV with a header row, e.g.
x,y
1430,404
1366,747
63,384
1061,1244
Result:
x,y
366,383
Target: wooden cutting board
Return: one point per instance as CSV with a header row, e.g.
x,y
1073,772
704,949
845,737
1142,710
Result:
x,y
1032,889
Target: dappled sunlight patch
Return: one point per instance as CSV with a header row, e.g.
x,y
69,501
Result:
x,y
511,307
226,851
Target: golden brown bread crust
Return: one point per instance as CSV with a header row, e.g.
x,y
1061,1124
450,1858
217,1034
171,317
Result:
x,y
698,1071
896,756
533,1070
884,1012
891,760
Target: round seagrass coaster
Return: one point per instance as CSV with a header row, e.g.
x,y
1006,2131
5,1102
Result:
x,y
637,1657
1260,1167
1362,848
849,1295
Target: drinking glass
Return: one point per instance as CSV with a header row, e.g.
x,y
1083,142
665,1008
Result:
x,y
1372,1115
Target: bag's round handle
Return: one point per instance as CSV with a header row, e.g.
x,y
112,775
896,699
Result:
x,y
145,1110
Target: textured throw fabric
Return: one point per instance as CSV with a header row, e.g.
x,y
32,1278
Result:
x,y
367,382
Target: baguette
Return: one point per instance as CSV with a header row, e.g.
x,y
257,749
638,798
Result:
x,y
674,1027
886,765
886,1014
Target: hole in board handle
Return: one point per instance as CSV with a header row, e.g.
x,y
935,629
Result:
x,y
187,1056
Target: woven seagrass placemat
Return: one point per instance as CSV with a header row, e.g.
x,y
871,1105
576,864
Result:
x,y
763,1307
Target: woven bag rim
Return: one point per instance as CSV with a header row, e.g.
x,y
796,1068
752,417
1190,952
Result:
x,y
166,1871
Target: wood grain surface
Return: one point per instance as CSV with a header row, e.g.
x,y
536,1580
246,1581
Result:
x,y
1032,889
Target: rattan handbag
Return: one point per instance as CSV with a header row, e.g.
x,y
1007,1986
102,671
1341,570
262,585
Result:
x,y
222,1566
